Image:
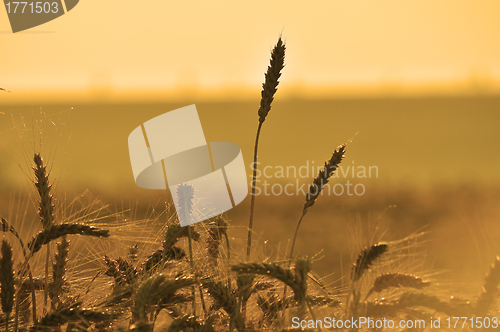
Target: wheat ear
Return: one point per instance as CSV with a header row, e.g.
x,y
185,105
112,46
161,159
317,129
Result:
x,y
46,205
489,291
269,88
45,209
73,314
154,289
316,187
396,280
6,282
296,279
58,272
54,232
365,259
225,299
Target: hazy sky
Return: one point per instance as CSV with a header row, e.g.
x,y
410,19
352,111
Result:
x,y
157,45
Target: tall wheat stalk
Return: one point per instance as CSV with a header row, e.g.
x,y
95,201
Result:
x,y
269,88
317,186
45,210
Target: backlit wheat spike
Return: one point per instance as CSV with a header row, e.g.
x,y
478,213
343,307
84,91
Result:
x,y
175,232
5,227
222,295
269,88
225,299
46,208
58,272
269,269
7,289
296,280
396,280
154,289
316,187
366,259
61,316
324,175
271,82
489,292
53,232
153,261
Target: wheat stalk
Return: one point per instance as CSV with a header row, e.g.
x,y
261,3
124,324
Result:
x,y
46,207
269,88
316,187
365,259
6,282
156,258
176,232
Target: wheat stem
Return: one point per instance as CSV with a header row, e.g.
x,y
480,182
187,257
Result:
x,y
252,202
190,242
269,88
304,211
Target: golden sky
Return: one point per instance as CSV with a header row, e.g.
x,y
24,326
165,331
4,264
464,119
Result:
x,y
116,46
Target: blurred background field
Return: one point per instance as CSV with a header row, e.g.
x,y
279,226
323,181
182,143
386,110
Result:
x,y
437,161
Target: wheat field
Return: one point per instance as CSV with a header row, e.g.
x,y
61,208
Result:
x,y
92,261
